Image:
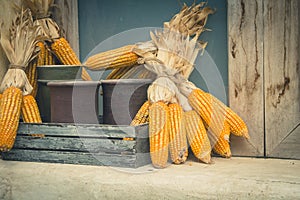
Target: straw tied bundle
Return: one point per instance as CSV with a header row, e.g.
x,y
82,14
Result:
x,y
178,112
20,48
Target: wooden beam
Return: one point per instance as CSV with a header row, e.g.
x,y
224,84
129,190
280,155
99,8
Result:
x,y
282,78
245,68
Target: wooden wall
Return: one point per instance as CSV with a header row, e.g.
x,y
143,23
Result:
x,y
263,53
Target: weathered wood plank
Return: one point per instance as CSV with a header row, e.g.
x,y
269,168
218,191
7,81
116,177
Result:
x,y
289,147
245,68
74,158
282,77
78,130
76,144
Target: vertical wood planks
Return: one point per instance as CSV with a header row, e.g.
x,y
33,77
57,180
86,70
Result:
x,y
282,91
245,71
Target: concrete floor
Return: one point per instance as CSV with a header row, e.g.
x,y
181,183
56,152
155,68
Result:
x,y
235,178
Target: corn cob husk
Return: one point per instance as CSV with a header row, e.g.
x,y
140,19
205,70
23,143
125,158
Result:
x,y
178,142
30,110
197,136
10,113
20,48
142,116
159,126
116,58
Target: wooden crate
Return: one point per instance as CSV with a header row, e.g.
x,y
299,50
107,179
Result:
x,y
121,146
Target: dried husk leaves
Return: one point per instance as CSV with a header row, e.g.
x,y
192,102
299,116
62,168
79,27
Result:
x,y
42,17
20,48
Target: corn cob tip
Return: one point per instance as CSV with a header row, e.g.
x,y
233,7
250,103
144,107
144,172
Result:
x,y
181,157
245,133
206,159
4,148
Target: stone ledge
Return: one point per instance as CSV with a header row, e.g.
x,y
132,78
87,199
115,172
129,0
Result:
x,y
242,178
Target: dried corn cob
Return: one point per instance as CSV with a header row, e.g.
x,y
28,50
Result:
x,y
64,52
32,76
0,102
159,126
197,136
117,58
222,146
45,56
178,142
118,73
85,75
42,54
208,111
142,115
49,59
30,110
235,122
214,113
10,113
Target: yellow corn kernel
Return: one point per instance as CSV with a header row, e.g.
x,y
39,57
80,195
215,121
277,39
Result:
x,y
142,116
118,73
10,113
197,136
30,110
159,126
31,73
214,112
85,75
42,54
64,52
178,142
49,58
222,146
116,58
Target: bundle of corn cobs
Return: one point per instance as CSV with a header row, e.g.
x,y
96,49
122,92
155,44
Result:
x,y
16,98
54,49
33,40
178,112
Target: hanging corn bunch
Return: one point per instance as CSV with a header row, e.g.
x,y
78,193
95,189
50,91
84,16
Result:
x,y
55,46
20,47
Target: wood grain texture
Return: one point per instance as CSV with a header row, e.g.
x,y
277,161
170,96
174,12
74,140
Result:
x,y
65,157
245,71
282,88
67,17
81,144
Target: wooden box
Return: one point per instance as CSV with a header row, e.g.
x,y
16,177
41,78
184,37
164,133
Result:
x,y
120,146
